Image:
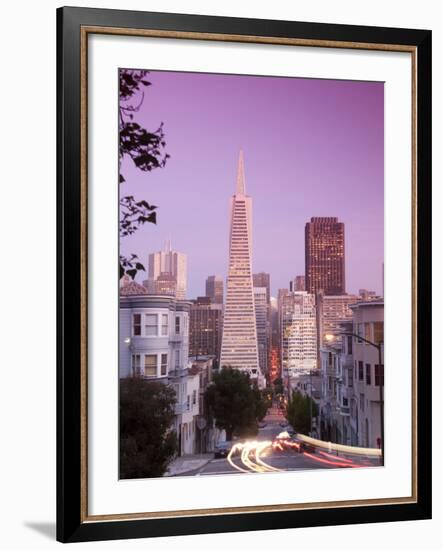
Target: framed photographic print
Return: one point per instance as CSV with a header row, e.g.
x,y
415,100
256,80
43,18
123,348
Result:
x,y
244,274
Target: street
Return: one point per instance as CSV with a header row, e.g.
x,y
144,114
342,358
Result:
x,y
260,455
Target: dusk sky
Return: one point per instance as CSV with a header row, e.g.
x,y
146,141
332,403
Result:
x,y
311,148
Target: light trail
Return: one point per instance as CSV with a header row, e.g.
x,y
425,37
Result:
x,y
336,458
251,453
236,447
330,462
368,451
259,449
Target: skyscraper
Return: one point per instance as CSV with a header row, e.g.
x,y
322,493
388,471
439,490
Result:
x,y
262,325
239,339
299,283
214,289
261,280
167,262
298,332
205,322
325,256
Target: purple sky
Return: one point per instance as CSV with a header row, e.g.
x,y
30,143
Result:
x,y
311,148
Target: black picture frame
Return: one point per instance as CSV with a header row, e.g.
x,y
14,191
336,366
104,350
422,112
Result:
x,y
72,526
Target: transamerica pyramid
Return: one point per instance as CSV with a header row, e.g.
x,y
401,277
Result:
x,y
239,347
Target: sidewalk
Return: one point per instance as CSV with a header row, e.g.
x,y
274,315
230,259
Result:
x,y
188,463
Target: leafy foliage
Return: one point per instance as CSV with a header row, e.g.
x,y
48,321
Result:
x,y
131,266
234,403
145,149
135,213
298,412
147,444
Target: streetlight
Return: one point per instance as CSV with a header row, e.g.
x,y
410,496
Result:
x,y
330,338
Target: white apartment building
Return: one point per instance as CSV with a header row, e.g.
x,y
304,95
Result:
x,y
365,410
154,345
298,330
337,375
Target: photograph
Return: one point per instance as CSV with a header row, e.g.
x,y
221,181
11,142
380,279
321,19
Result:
x,y
251,273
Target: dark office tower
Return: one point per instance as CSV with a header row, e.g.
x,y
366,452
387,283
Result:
x,y
262,280
325,256
214,289
205,325
299,283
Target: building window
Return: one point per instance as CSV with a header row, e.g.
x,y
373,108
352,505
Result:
x,y
362,402
349,339
194,397
151,324
368,331
360,370
177,358
177,325
368,374
379,372
345,402
164,364
136,365
136,324
164,325
188,402
150,365
378,332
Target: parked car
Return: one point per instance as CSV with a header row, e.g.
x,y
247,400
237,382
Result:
x,y
222,449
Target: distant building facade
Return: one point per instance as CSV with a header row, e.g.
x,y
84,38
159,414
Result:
x,y
298,332
262,325
205,328
331,312
214,289
299,283
170,267
263,280
325,256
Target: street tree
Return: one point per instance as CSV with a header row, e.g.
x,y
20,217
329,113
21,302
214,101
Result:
x,y
235,403
299,410
147,443
146,149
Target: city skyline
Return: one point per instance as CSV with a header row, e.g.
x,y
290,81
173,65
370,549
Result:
x,y
287,184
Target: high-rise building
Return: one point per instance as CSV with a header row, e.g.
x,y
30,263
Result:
x,y
299,283
331,312
205,326
261,280
168,262
262,325
239,339
298,332
214,289
325,256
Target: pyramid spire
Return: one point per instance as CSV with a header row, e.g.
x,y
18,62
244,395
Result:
x,y
241,188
